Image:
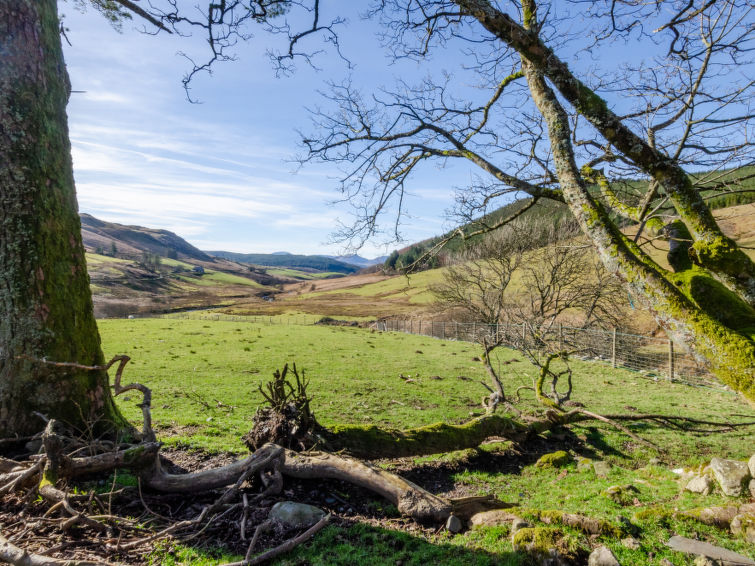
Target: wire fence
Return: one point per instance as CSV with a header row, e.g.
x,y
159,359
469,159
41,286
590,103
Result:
x,y
648,354
654,356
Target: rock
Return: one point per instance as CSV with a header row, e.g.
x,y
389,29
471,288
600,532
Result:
x,y
751,487
554,460
453,524
519,524
492,518
751,465
655,462
716,516
584,464
541,544
602,556
296,515
691,546
666,562
743,525
705,561
631,543
621,494
730,474
700,484
601,468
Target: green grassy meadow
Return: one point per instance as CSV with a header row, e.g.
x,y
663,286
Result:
x,y
204,377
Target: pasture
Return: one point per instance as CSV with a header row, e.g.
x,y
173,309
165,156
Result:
x,y
204,376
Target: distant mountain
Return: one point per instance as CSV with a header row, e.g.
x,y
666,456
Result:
x,y
312,262
101,236
359,261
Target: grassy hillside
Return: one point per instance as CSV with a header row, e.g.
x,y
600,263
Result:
x,y
311,262
122,287
377,294
131,241
727,189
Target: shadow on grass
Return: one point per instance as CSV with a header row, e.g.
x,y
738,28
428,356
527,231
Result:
x,y
357,543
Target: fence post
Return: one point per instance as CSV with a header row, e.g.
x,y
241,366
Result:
x,y
411,326
420,326
444,330
613,349
456,330
474,332
670,360
524,334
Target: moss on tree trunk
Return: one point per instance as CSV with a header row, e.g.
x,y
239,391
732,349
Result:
x,y
45,302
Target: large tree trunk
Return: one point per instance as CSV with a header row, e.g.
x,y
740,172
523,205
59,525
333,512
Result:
x,y
45,302
706,309
713,249
672,300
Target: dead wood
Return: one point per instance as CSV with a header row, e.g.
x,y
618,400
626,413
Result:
x,y
287,419
159,480
410,499
12,554
286,546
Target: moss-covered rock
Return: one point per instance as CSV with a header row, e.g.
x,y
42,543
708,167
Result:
x,y
557,459
743,525
621,494
549,544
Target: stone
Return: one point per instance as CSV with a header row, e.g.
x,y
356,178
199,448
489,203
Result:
x,y
730,474
602,469
705,561
751,487
751,465
621,494
453,524
700,484
631,543
584,464
717,516
554,460
295,515
655,462
743,525
602,556
492,518
691,546
519,524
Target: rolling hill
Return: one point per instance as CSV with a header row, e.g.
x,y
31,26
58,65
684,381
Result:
x,y
291,261
133,241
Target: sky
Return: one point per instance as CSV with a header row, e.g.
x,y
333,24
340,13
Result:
x,y
219,173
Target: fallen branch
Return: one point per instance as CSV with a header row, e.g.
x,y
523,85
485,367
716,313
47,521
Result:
x,y
12,554
410,499
286,546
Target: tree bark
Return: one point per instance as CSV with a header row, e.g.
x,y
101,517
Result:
x,y
713,249
731,354
45,302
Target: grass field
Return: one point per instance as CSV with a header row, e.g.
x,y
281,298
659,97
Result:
x,y
204,375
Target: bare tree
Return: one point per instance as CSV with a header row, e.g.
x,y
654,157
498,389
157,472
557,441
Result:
x,y
646,143
558,278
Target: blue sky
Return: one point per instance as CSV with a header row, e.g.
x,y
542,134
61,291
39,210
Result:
x,y
217,173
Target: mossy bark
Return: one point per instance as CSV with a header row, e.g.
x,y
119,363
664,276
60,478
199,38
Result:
x,y
723,339
45,303
713,249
